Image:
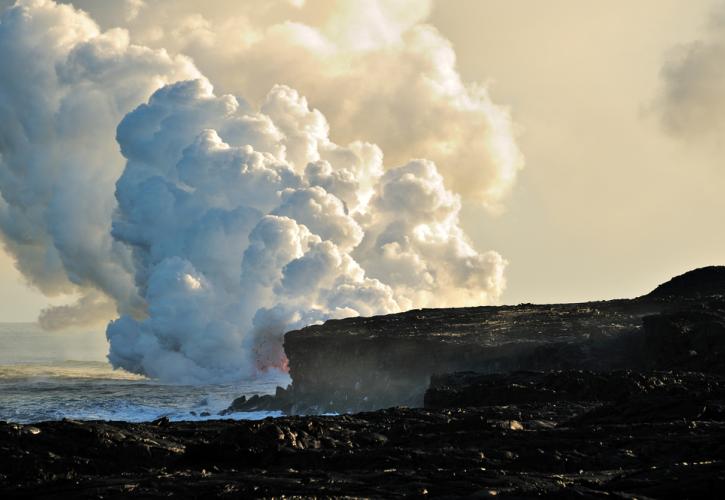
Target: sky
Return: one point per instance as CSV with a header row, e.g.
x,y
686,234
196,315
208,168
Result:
x,y
600,175
611,201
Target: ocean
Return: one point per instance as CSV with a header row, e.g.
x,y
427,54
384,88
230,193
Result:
x,y
51,376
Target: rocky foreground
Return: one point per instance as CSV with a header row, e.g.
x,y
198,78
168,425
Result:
x,y
618,399
559,435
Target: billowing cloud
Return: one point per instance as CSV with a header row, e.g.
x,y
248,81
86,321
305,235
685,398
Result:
x,y
692,100
373,67
90,309
213,224
413,242
64,87
245,223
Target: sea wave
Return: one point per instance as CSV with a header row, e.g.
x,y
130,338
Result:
x,y
51,376
93,390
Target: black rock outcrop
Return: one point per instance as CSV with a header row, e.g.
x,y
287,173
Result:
x,y
457,390
366,363
696,283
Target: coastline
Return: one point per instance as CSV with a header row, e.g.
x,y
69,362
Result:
x,y
646,420
665,441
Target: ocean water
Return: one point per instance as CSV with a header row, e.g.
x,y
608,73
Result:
x,y
50,376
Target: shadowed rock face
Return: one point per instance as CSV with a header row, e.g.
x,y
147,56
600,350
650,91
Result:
x,y
696,283
366,363
464,389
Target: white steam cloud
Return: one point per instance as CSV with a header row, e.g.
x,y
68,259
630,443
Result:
x,y
234,221
375,68
64,86
247,223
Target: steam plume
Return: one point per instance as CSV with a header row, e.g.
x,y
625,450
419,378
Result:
x,y
375,68
246,223
234,221
64,87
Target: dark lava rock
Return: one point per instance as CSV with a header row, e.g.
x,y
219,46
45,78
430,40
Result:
x,y
282,400
687,340
698,282
367,363
469,389
635,448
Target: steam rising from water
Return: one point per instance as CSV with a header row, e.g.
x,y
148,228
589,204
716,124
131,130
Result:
x,y
246,223
231,223
64,86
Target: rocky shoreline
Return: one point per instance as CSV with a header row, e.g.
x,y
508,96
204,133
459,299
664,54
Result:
x,y
569,434
618,399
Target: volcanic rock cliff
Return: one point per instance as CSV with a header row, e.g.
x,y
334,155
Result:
x,y
367,363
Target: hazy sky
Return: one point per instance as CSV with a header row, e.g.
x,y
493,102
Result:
x,y
609,204
618,110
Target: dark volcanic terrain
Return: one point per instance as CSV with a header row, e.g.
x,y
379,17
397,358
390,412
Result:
x,y
564,435
617,399
360,364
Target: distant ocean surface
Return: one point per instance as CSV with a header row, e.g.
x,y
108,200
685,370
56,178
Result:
x,y
50,376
